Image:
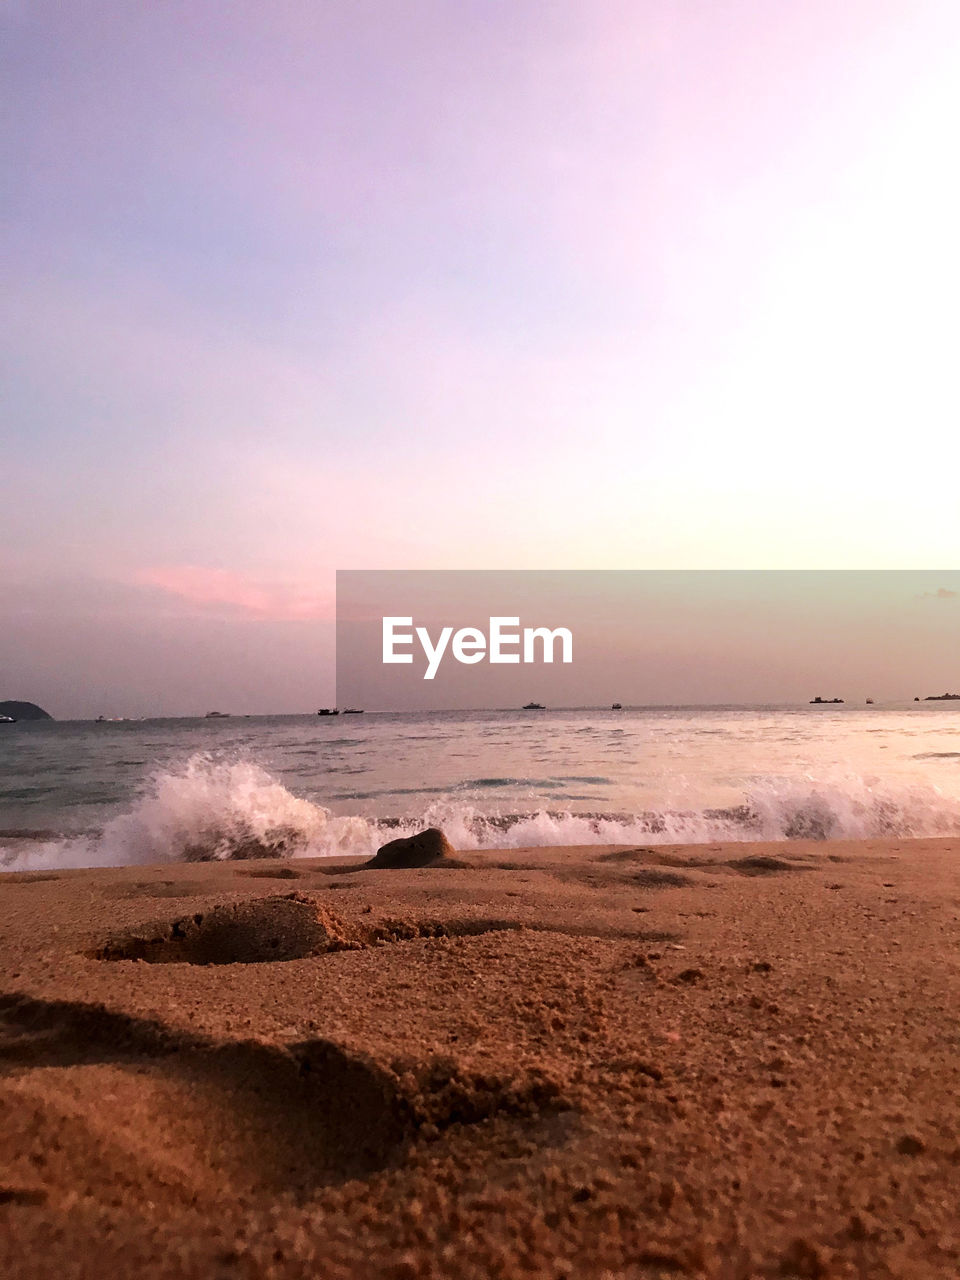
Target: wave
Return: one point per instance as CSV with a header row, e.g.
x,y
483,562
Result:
x,y
204,811
209,810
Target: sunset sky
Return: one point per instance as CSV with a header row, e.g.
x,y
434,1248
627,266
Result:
x,y
306,286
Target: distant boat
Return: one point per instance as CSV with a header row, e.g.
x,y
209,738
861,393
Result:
x,y
869,702
942,697
217,715
534,706
328,711
823,702
353,711
617,706
8,719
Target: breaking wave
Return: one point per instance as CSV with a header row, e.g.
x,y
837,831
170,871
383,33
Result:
x,y
209,810
205,811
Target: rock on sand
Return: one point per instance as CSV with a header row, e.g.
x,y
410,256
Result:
x,y
425,849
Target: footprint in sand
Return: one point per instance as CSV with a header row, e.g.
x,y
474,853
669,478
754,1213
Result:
x,y
281,1126
293,926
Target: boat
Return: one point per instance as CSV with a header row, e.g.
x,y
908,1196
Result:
x,y
353,711
942,697
823,702
617,706
8,719
328,711
534,706
869,702
217,715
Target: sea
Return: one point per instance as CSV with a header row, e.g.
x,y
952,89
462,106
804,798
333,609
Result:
x,y
79,794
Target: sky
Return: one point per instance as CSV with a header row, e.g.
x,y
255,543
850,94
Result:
x,y
684,637
305,287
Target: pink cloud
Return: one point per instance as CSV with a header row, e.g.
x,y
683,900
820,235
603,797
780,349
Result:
x,y
223,588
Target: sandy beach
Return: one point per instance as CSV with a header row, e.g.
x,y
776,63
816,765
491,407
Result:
x,y
723,1061
479,708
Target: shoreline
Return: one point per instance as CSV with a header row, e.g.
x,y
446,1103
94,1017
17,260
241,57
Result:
x,y
479,858
725,1059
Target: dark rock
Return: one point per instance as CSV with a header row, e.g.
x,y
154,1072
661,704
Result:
x,y
422,850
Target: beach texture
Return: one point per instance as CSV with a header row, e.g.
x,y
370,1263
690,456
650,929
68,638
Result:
x,y
719,1061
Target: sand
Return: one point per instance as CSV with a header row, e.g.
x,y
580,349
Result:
x,y
727,1061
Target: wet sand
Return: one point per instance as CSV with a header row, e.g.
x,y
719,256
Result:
x,y
724,1060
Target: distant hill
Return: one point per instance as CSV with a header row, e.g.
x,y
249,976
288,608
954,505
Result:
x,y
24,711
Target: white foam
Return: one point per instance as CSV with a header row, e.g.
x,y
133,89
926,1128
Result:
x,y
206,810
848,806
209,810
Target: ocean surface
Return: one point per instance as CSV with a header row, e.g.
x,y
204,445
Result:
x,y
89,794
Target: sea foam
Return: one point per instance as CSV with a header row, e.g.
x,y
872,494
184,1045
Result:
x,y
208,810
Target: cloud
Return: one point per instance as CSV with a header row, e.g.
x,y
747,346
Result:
x,y
225,589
